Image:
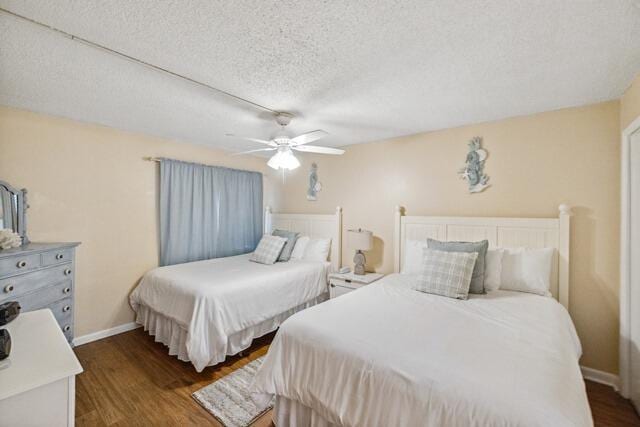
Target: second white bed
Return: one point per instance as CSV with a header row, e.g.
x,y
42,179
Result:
x,y
206,310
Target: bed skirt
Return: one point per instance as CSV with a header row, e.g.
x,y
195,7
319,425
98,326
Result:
x,y
290,413
174,336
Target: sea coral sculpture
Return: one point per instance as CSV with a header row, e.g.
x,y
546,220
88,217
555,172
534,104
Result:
x,y
473,172
9,239
314,185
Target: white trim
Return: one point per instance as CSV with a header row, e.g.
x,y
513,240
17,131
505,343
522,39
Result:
x,y
500,232
601,377
71,401
564,245
397,221
625,283
95,336
267,219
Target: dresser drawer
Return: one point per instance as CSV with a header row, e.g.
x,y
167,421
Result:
x,y
44,297
68,332
12,287
57,257
19,264
62,311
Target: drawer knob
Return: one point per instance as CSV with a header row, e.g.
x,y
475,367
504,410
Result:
x,y
67,271
333,286
66,308
67,328
66,290
22,264
59,256
8,288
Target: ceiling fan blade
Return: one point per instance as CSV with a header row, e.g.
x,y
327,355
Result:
x,y
317,149
254,151
305,138
261,141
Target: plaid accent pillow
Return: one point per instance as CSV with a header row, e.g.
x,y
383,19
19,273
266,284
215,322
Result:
x,y
477,278
268,249
446,273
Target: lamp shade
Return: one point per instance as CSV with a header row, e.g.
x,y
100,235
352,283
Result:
x,y
283,159
361,240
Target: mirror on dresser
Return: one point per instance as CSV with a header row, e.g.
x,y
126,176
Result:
x,y
13,205
37,275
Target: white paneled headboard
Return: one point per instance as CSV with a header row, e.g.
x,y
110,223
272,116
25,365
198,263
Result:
x,y
500,232
312,225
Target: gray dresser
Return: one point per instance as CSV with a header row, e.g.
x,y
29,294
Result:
x,y
41,275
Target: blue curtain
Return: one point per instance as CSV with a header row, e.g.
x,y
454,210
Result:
x,y
207,211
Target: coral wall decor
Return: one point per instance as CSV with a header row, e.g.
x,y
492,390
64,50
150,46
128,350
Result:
x,y
473,171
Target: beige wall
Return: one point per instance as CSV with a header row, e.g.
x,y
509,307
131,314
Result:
x,y
535,163
630,104
89,183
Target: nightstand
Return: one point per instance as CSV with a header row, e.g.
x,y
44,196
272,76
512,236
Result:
x,y
340,284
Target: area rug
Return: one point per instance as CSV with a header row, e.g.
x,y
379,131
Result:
x,y
229,399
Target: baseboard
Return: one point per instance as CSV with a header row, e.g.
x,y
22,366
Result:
x,y
95,336
601,377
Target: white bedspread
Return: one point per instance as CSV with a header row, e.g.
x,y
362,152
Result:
x,y
386,355
215,298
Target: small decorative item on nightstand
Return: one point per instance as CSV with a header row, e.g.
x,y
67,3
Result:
x,y
340,284
360,240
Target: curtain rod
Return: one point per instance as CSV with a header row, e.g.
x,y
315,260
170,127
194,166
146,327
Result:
x,y
133,59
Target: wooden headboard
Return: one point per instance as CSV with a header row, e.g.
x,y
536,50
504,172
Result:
x,y
312,225
500,232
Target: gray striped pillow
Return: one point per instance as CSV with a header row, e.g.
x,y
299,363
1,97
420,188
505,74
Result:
x,y
446,273
268,249
291,237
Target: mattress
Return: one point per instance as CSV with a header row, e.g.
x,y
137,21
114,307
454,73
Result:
x,y
389,355
198,306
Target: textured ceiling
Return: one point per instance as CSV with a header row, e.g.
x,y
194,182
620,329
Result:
x,y
361,70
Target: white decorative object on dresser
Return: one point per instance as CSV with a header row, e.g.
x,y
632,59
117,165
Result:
x,y
41,275
340,284
37,387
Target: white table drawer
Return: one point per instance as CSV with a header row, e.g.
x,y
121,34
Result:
x,y
336,290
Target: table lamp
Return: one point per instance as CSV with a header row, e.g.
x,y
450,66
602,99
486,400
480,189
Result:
x,y
360,240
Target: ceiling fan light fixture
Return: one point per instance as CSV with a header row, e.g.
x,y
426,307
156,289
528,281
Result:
x,y
283,159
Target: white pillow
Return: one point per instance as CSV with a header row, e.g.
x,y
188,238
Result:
x,y
317,250
493,269
299,247
413,256
527,270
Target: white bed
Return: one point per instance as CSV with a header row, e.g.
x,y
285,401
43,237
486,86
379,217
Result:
x,y
388,355
206,310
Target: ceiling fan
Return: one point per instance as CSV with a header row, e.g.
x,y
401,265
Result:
x,y
284,146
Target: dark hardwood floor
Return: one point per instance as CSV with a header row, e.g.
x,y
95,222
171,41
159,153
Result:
x,y
129,380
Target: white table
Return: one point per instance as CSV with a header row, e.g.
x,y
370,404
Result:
x,y
37,388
